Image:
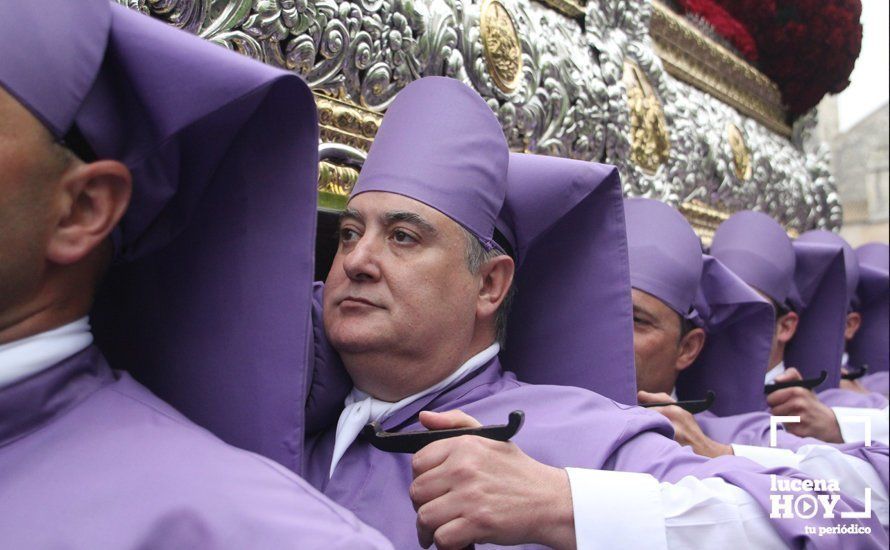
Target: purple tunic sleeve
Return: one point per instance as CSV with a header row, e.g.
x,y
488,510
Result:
x,y
89,458
837,397
677,462
878,382
753,429
564,427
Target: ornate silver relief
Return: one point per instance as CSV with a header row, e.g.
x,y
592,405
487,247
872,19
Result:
x,y
789,180
571,99
365,51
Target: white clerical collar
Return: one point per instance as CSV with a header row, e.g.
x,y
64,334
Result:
x,y
674,394
28,356
845,359
361,408
774,372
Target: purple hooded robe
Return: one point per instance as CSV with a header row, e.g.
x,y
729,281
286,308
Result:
x,y
809,276
871,345
565,425
836,396
665,261
89,458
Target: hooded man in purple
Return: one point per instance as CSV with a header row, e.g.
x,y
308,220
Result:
x,y
120,136
414,305
850,407
840,397
806,283
698,327
870,347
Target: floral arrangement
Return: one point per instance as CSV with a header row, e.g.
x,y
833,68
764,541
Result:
x,y
807,47
724,25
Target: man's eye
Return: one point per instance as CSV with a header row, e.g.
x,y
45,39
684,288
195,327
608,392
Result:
x,y
347,234
639,321
402,237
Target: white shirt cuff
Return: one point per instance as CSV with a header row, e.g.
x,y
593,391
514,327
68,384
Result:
x,y
857,422
768,457
616,510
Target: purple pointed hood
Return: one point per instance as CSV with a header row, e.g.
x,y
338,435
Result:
x,y
874,255
808,278
820,283
52,54
758,250
740,326
851,262
871,344
571,321
208,301
665,253
666,261
442,145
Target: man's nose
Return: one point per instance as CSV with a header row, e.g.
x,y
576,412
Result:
x,y
361,263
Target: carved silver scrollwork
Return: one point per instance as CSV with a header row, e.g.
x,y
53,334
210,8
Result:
x,y
571,99
557,109
188,15
790,180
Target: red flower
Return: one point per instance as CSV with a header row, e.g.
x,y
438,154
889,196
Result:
x,y
807,47
725,25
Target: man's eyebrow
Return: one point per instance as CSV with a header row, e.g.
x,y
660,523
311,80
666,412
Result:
x,y
351,214
410,217
639,310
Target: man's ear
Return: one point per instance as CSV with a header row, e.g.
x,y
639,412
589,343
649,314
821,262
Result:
x,y
690,347
92,199
786,326
854,321
497,276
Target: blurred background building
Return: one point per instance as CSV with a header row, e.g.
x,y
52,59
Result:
x,y
861,160
854,125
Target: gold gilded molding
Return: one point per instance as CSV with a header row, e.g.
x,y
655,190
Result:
x,y
704,219
335,182
692,57
741,157
570,8
649,139
503,53
343,122
335,179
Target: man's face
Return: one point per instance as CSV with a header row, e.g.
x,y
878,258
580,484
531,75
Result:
x,y
786,326
656,343
29,165
399,287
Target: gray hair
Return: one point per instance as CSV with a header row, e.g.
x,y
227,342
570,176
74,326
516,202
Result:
x,y
476,258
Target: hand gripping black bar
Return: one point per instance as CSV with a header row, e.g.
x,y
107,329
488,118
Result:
x,y
694,406
855,374
411,442
808,383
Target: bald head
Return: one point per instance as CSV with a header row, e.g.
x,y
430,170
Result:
x,y
29,164
55,213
